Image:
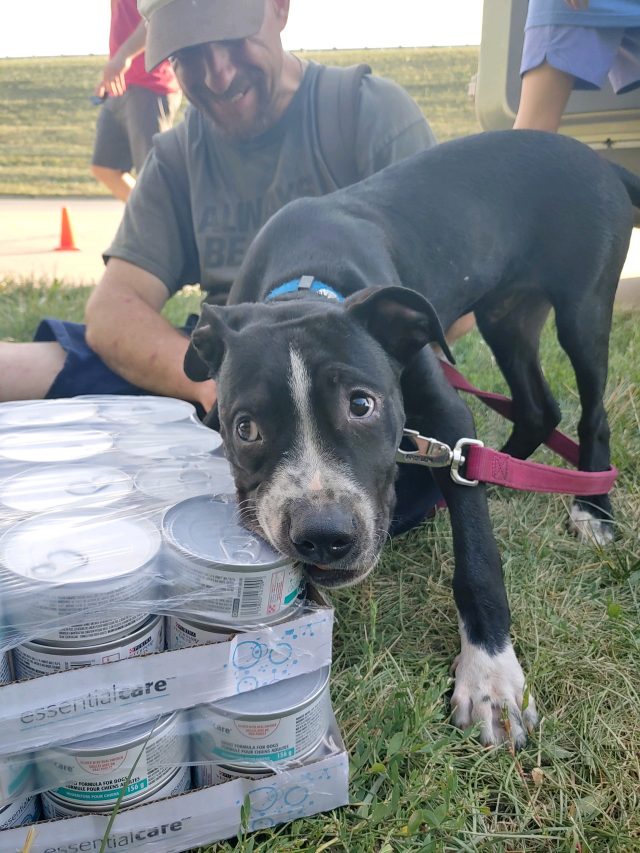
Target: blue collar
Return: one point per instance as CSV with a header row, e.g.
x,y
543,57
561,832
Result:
x,y
305,282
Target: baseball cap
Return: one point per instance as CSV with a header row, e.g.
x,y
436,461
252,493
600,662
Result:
x,y
174,24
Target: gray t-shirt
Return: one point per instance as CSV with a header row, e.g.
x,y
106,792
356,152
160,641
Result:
x,y
201,199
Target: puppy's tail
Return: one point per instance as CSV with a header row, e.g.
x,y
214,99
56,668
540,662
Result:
x,y
631,183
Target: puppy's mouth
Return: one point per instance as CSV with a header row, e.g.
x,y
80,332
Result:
x,y
331,578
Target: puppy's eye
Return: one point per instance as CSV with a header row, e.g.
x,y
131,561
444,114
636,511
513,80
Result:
x,y
247,430
361,405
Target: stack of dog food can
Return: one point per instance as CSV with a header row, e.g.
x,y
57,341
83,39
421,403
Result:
x,y
229,581
113,511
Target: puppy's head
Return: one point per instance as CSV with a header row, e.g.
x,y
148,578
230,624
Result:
x,y
311,414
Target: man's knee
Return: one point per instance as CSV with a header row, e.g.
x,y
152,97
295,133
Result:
x,y
103,173
29,370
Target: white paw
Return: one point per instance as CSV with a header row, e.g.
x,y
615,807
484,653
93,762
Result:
x,y
489,691
588,528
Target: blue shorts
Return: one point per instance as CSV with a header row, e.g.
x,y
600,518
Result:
x,y
589,54
84,372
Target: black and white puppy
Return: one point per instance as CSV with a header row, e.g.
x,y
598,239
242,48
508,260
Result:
x,y
313,392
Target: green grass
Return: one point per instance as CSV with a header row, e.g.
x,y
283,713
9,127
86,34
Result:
x,y
418,784
46,136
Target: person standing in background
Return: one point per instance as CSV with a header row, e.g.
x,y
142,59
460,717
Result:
x,y
575,44
137,103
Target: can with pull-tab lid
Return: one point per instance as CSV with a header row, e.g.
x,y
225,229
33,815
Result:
x,y
168,441
278,723
57,487
73,576
181,480
53,444
142,759
216,567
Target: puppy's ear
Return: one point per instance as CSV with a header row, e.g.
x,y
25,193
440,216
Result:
x,y
206,349
401,320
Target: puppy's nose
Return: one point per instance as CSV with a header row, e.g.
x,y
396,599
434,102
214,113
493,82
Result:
x,y
322,536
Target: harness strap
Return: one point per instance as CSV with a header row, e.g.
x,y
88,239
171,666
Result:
x,y
492,466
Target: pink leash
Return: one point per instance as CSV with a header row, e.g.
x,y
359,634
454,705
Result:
x,y
492,466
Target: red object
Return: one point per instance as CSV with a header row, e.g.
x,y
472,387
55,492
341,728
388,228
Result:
x,y
67,243
492,466
124,20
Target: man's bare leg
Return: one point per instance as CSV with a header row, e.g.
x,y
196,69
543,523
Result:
x,y
27,371
118,183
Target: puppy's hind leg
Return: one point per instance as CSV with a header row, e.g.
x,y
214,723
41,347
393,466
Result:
x,y
512,330
583,332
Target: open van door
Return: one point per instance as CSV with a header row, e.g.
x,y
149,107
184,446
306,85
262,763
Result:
x,y
602,119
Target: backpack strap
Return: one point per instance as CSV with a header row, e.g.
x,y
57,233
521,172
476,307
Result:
x,y
337,109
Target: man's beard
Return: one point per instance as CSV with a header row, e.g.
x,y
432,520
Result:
x,y
234,127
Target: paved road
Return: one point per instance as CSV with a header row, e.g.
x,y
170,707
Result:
x,y
30,231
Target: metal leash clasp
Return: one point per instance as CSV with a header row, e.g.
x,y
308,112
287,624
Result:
x,y
436,454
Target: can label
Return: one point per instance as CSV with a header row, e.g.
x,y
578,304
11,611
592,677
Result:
x,y
182,634
5,669
20,813
283,738
53,808
98,778
31,659
238,595
101,627
205,775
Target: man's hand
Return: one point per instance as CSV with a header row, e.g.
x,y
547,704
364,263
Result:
x,y
577,4
126,329
113,82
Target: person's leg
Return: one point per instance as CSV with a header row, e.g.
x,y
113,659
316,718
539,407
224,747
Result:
x,y
28,370
147,113
544,96
557,59
118,183
462,326
111,162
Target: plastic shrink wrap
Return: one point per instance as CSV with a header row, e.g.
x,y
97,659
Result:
x,y
151,646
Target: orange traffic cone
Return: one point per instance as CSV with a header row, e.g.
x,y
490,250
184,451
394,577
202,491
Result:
x,y
67,243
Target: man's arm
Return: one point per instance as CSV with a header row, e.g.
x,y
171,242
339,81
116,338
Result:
x,y
126,329
113,82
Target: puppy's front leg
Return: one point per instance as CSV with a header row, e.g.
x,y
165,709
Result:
x,y
489,682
